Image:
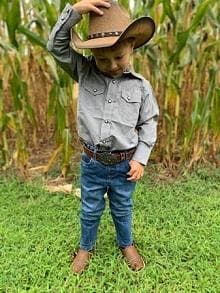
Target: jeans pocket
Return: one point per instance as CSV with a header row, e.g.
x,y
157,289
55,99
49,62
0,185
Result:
x,y
86,160
123,167
128,165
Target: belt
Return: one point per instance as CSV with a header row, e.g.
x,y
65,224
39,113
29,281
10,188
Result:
x,y
109,158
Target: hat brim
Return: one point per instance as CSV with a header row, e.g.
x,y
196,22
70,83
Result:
x,y
141,29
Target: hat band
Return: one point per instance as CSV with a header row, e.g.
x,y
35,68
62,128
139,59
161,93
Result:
x,y
104,35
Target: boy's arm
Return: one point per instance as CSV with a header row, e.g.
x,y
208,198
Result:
x,y
59,43
59,39
147,133
147,125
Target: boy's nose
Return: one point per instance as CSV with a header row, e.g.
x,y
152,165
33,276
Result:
x,y
113,66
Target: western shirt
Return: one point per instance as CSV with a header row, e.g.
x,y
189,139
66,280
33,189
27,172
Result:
x,y
113,113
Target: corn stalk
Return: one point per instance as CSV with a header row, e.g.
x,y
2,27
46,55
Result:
x,y
38,100
183,68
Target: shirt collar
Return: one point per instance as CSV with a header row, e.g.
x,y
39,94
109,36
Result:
x,y
127,71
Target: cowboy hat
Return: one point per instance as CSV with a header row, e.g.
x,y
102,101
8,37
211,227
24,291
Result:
x,y
114,26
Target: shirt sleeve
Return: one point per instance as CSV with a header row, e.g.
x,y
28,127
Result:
x,y
147,125
59,43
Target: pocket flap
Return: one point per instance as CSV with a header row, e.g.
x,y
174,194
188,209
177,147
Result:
x,y
94,88
131,95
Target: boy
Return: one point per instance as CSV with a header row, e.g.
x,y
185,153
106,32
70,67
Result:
x,y
117,116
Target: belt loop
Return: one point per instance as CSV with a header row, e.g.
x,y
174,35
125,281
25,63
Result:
x,y
95,151
123,156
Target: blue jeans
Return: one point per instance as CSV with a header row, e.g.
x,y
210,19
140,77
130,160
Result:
x,y
96,180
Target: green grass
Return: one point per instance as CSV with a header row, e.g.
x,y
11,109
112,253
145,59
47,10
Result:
x,y
176,228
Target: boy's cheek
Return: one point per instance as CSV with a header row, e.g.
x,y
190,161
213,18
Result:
x,y
100,67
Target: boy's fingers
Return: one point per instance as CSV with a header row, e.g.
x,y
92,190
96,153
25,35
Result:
x,y
96,10
106,4
131,172
94,7
102,2
133,176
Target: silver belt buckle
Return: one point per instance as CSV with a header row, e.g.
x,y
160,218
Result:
x,y
107,158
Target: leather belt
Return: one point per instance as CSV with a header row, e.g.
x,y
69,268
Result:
x,y
109,158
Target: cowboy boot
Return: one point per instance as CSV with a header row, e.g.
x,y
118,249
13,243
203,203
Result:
x,y
133,258
80,261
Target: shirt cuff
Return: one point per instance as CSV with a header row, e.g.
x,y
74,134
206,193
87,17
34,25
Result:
x,y
65,22
142,153
68,17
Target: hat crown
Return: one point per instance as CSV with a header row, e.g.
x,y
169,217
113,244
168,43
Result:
x,y
114,19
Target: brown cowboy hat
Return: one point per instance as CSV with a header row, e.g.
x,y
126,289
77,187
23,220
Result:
x,y
113,26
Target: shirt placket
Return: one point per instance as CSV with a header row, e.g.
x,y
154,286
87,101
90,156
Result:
x,y
110,100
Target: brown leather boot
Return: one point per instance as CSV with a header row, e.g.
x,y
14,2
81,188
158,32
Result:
x,y
80,261
133,258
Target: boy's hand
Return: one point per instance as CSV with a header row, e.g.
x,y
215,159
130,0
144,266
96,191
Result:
x,y
85,6
136,171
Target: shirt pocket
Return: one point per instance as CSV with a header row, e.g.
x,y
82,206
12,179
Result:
x,y
130,102
93,90
91,96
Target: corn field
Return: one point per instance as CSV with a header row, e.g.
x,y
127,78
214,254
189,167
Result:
x,y
38,100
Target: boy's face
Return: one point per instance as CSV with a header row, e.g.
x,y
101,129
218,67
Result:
x,y
112,61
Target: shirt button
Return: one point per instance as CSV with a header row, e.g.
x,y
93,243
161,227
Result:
x,y
128,98
62,18
95,90
113,81
68,10
109,101
106,121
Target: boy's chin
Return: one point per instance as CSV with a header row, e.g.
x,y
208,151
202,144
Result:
x,y
117,75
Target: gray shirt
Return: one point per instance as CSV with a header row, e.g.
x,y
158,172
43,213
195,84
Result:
x,y
114,114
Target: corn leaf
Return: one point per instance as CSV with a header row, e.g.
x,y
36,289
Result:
x,y
215,113
53,158
6,46
64,2
32,37
50,13
182,37
16,92
13,19
52,67
3,8
200,13
67,150
208,101
1,105
169,11
52,101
